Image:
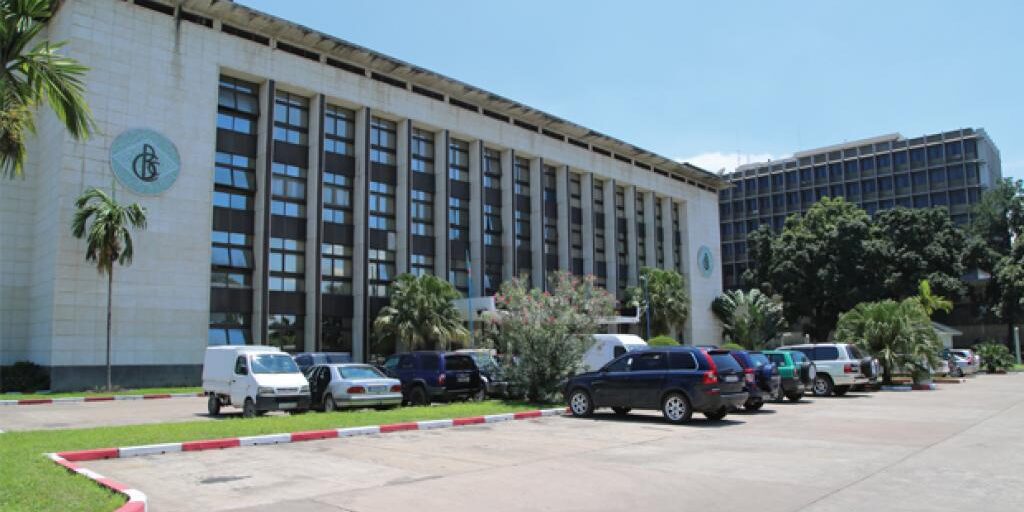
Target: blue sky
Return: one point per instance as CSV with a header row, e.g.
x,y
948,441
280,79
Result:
x,y
717,82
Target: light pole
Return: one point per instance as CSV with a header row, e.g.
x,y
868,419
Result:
x,y
647,303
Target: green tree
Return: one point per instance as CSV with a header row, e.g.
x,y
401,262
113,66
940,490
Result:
x,y
547,333
750,319
662,341
669,302
420,314
899,334
912,245
35,73
932,302
105,224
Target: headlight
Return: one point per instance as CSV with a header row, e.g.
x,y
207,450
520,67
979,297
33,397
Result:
x,y
265,390
304,389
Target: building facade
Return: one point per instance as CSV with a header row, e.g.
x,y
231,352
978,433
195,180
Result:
x,y
949,169
289,176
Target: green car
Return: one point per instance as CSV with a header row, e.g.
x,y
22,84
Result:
x,y
796,370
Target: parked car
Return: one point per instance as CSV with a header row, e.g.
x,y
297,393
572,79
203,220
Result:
x,y
491,372
677,380
839,367
962,361
761,377
306,360
350,385
429,376
609,346
796,372
255,378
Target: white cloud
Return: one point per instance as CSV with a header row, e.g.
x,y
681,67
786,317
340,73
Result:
x,y
716,160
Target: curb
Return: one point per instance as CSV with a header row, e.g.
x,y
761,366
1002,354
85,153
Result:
x,y
295,437
896,388
924,387
105,398
136,498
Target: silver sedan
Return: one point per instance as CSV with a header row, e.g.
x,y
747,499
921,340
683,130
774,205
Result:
x,y
351,385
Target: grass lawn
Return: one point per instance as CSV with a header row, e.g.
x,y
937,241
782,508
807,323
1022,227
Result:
x,y
31,482
143,391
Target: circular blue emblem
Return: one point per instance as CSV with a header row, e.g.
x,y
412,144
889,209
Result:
x,y
144,161
705,261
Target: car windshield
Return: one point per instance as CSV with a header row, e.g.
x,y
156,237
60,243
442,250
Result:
x,y
273,363
359,372
759,360
483,361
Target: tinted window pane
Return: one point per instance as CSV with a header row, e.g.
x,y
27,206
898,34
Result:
x,y
430,362
456,363
825,354
726,362
682,361
619,365
647,362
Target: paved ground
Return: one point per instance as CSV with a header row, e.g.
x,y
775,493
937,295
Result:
x,y
958,448
99,414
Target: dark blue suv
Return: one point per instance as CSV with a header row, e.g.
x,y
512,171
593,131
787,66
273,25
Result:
x,y
429,376
762,377
677,380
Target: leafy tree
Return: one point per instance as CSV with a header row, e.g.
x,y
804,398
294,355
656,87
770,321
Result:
x,y
749,319
912,245
105,224
759,250
35,73
995,356
930,301
994,247
420,314
669,302
662,341
547,333
899,334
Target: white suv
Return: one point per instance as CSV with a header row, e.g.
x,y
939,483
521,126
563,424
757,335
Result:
x,y
840,366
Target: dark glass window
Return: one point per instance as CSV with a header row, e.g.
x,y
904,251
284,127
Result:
x,y
381,270
339,130
867,164
458,160
917,158
422,151
383,141
291,118
336,269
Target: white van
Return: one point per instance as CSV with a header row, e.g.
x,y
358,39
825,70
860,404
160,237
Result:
x,y
609,346
255,378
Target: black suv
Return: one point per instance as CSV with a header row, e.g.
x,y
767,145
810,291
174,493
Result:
x,y
676,380
429,376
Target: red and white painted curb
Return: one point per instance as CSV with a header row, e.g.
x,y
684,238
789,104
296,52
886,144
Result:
x,y
136,498
104,398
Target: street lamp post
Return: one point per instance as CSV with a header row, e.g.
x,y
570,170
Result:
x,y
647,302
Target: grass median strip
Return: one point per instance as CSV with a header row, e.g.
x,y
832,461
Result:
x,y
88,394
31,482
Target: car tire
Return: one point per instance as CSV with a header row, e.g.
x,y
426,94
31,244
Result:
x,y
717,415
213,405
676,408
621,411
248,408
841,390
754,405
580,404
480,395
822,385
418,396
794,397
958,372
329,404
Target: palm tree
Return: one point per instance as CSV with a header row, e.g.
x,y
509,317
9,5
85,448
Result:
x,y
33,73
899,334
669,303
420,313
932,302
108,240
750,319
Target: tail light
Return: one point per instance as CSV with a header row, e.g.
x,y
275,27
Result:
x,y
848,368
397,388
440,380
355,390
710,378
748,374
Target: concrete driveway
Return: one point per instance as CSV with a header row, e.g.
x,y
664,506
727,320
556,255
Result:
x,y
959,448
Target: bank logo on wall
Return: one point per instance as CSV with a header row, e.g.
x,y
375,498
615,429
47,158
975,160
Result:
x,y
705,261
144,161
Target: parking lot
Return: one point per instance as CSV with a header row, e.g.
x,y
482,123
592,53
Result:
x,y
956,448
101,414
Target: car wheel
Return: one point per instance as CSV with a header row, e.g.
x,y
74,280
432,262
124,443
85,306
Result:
x,y
794,397
622,411
418,396
958,372
717,415
841,390
580,404
213,405
753,405
480,395
822,385
248,408
329,405
676,408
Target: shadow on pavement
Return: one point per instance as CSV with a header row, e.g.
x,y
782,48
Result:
x,y
698,420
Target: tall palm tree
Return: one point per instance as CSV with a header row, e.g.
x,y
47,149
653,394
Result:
x,y
420,313
749,319
899,334
34,72
105,223
669,303
932,302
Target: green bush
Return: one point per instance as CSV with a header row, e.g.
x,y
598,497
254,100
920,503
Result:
x,y
733,346
662,341
25,377
995,356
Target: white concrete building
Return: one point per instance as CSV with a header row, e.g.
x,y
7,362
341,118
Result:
x,y
312,171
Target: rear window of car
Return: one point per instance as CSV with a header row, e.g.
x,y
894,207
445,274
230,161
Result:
x,y
778,359
458,363
759,360
854,352
726,362
359,372
430,362
682,361
798,356
826,353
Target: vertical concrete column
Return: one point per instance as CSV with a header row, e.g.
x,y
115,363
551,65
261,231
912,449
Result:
x,y
360,329
314,212
476,217
562,198
537,221
703,287
441,204
633,261
611,238
587,225
651,231
261,210
508,215
402,178
666,231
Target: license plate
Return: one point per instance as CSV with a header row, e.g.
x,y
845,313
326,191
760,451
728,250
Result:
x,y
378,389
462,378
287,405
732,378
